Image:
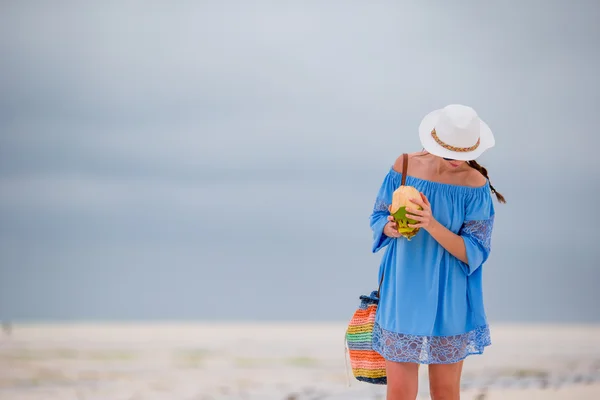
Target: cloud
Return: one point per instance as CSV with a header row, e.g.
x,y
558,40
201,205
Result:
x,y
176,129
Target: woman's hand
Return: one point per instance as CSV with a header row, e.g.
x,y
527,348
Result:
x,y
391,228
424,217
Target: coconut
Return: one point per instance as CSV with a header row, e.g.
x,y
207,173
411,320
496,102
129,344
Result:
x,y
401,200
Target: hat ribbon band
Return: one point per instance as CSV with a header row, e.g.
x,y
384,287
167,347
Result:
x,y
452,148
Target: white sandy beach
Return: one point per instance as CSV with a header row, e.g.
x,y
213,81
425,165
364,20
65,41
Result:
x,y
271,361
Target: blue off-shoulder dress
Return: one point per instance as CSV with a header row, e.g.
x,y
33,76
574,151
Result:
x,y
431,307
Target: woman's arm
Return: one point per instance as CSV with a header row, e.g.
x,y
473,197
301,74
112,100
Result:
x,y
379,219
449,240
471,245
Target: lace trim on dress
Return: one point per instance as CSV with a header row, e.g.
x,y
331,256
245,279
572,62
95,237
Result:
x,y
380,205
400,347
480,230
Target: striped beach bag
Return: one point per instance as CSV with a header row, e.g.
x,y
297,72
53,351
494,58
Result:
x,y
367,365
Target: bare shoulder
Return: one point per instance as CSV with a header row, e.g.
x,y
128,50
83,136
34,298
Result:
x,y
399,160
474,178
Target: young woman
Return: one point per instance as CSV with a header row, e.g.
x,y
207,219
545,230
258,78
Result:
x,y
431,303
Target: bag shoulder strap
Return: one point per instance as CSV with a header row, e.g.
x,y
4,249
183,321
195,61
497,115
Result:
x,y
404,171
404,167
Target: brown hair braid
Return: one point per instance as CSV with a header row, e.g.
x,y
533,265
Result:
x,y
475,165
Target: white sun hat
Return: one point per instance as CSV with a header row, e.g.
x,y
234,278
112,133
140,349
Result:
x,y
455,132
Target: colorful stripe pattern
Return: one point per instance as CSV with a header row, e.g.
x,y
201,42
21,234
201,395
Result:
x,y
367,364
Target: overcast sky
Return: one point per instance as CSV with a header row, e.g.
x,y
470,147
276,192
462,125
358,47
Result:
x,y
220,159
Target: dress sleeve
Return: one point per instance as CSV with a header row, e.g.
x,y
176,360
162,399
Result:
x,y
380,212
476,230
